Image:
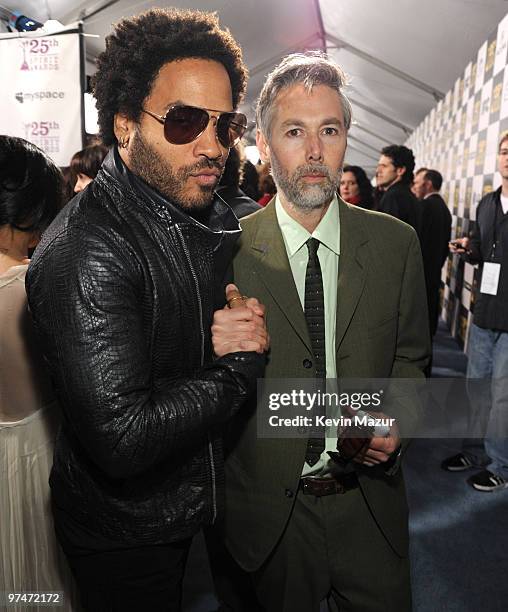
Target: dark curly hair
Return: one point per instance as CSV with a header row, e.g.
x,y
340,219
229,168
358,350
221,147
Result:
x,y
141,45
31,186
366,191
401,157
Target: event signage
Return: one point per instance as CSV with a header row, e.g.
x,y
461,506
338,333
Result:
x,y
41,91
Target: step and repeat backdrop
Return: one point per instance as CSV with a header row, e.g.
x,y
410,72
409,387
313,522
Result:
x,y
459,137
41,98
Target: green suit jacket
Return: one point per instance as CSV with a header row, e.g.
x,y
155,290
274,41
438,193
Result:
x,y
381,332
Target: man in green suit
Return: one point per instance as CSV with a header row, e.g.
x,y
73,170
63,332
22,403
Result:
x,y
304,527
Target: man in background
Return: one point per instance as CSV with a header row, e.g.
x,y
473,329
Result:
x,y
488,340
229,186
394,174
436,227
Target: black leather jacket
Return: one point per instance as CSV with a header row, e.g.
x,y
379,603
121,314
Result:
x,y
121,289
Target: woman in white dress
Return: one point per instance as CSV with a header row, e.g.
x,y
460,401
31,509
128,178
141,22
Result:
x,y
30,560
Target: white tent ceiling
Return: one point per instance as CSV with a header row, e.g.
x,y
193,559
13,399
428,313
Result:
x,y
401,55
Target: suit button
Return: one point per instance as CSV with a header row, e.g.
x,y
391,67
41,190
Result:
x,y
288,493
307,363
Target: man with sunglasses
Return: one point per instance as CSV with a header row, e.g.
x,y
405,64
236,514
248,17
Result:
x,y
306,517
123,290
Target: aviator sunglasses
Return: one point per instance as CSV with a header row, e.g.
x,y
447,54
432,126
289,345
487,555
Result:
x,y
183,124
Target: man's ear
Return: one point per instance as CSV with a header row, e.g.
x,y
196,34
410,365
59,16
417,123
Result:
x,y
122,127
263,147
400,171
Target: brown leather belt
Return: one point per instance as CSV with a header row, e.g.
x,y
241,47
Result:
x,y
328,486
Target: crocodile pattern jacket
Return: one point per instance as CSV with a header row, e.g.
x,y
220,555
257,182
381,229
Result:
x,y
122,293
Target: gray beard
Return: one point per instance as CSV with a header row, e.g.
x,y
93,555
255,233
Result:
x,y
305,197
146,163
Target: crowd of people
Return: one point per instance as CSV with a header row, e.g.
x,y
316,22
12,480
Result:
x,y
152,315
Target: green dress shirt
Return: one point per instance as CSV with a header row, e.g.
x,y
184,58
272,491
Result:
x,y
295,237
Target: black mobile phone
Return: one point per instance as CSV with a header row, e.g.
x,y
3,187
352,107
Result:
x,y
457,244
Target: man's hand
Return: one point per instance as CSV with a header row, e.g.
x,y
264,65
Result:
x,y
380,449
461,245
240,325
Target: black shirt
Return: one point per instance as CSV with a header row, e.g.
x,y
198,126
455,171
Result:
x,y
398,201
491,228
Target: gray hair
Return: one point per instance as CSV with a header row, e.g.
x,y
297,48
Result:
x,y
309,69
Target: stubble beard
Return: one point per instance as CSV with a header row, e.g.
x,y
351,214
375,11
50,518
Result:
x,y
383,185
305,197
146,163
388,183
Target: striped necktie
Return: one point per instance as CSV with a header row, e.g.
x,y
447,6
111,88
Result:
x,y
314,307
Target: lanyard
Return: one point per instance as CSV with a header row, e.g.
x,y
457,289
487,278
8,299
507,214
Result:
x,y
499,209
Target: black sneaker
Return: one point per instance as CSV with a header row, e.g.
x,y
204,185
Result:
x,y
487,481
457,463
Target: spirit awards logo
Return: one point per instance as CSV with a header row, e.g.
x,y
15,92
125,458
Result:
x,y
40,54
45,134
24,65
501,48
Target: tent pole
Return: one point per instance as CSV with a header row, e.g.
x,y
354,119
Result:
x,y
82,13
322,33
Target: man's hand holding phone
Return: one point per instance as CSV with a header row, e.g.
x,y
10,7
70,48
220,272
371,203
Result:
x,y
459,246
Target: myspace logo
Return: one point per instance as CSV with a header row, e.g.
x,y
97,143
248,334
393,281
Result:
x,y
39,95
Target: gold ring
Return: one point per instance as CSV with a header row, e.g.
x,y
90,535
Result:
x,y
237,297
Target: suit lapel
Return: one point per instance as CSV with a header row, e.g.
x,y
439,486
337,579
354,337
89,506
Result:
x,y
352,268
274,269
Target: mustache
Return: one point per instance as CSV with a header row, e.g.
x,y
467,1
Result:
x,y
206,164
302,171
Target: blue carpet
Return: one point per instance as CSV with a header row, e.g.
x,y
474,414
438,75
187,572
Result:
x,y
459,536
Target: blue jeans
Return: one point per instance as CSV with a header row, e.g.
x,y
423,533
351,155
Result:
x,y
488,358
